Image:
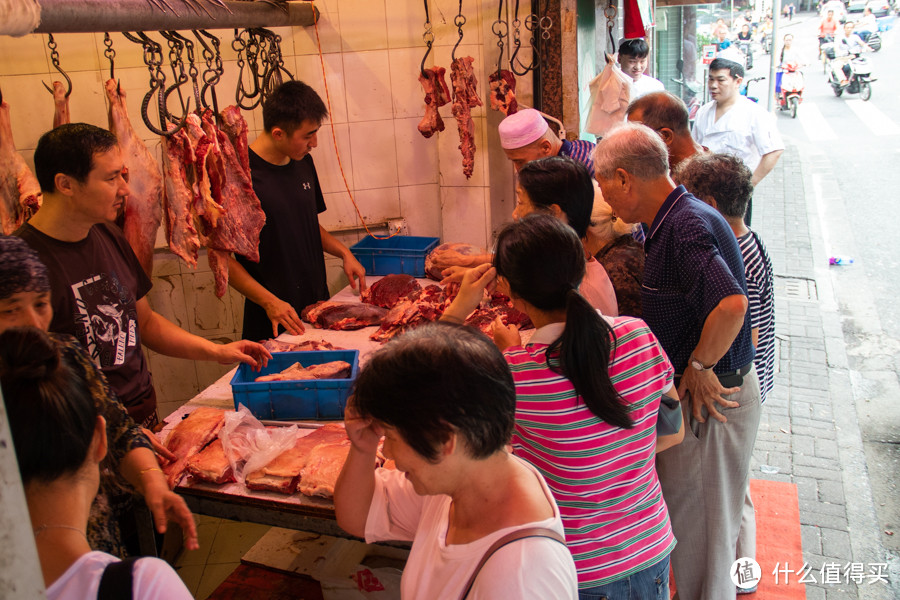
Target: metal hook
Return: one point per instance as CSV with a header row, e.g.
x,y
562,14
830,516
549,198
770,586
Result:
x,y
459,20
54,58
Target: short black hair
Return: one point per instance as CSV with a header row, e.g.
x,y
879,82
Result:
x,y
51,411
69,149
439,379
635,48
734,69
21,269
562,181
662,109
721,177
290,104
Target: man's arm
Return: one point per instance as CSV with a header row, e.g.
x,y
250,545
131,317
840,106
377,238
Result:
x,y
719,331
161,335
766,164
352,268
278,311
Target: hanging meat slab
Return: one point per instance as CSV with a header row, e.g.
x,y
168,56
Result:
x,y
503,92
178,167
61,114
20,193
436,94
465,98
283,474
143,208
235,127
207,208
342,316
189,437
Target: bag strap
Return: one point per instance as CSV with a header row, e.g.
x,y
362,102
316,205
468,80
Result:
x,y
507,539
116,582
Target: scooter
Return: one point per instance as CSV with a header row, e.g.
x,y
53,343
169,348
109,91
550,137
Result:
x,y
748,53
872,40
860,79
789,85
745,89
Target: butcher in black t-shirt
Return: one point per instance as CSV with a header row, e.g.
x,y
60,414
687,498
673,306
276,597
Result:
x,y
98,288
290,274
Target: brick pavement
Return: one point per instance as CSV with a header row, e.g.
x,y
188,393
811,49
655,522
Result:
x,y
800,440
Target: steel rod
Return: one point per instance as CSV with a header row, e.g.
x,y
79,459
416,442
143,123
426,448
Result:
x,y
86,16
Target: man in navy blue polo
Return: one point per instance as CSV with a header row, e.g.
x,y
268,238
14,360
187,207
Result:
x,y
695,300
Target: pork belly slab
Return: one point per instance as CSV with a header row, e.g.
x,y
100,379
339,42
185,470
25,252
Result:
x,y
283,474
322,468
189,437
336,369
211,464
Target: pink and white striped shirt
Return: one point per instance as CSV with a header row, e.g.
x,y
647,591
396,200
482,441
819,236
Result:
x,y
603,477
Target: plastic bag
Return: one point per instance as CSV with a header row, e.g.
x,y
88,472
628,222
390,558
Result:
x,y
249,445
610,95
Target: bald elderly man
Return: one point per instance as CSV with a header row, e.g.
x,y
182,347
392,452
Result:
x,y
667,115
526,136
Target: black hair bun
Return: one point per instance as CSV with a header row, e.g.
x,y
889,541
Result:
x,y
27,353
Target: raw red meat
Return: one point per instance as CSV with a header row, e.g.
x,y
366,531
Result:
x,y
336,369
322,468
436,94
327,314
503,92
206,208
283,473
143,209
211,464
389,290
189,437
178,165
465,97
235,127
422,307
453,255
61,114
304,346
20,193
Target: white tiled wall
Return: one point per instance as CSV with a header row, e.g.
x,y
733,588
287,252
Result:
x,y
371,50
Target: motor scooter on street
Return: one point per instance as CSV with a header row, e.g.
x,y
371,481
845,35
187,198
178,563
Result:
x,y
747,50
789,85
859,81
872,39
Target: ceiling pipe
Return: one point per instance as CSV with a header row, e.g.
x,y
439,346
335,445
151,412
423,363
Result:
x,y
87,16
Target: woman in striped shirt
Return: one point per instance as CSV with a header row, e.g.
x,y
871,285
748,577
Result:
x,y
588,391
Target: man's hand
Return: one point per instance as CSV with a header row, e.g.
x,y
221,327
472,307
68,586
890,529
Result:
x,y
282,313
244,351
165,505
705,390
161,451
453,274
353,269
506,336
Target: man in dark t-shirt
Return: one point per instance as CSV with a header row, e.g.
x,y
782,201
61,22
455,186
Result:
x,y
290,274
98,288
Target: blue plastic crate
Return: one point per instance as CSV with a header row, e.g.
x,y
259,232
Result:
x,y
400,255
319,399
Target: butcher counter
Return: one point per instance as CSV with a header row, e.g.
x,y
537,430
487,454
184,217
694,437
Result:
x,y
233,500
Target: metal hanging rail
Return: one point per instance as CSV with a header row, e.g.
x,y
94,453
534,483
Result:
x,y
87,16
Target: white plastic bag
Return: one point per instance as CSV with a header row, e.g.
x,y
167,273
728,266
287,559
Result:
x,y
249,445
610,95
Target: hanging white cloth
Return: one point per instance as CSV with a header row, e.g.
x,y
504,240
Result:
x,y
19,17
610,95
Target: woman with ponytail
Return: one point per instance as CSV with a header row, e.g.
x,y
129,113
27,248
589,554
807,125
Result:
x,y
60,440
588,392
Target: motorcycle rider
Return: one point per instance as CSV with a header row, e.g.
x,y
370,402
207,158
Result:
x,y
789,54
848,47
827,28
867,25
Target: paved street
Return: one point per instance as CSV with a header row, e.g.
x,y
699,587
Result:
x,y
832,426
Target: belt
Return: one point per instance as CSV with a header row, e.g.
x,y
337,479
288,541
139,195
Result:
x,y
729,379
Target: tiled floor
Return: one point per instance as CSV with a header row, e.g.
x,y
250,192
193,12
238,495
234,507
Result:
x,y
222,544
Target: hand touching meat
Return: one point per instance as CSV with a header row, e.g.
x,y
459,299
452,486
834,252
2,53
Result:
x,y
282,313
472,287
244,351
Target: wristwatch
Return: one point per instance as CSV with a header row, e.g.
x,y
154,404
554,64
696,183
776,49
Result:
x,y
699,366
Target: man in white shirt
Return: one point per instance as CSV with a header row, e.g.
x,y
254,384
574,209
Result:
x,y
633,60
732,124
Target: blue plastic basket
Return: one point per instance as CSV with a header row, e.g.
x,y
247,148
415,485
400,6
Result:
x,y
314,399
399,255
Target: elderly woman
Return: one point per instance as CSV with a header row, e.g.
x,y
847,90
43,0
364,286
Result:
x,y
130,462
621,256
60,441
588,396
444,400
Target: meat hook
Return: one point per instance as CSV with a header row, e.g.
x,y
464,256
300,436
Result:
x,y
459,20
212,74
110,54
54,58
428,38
